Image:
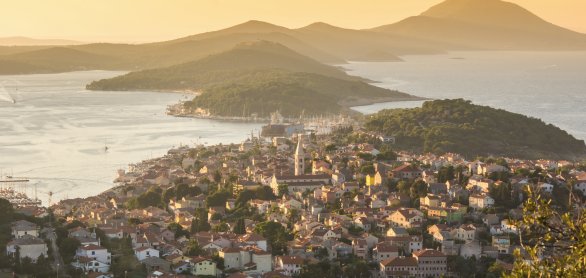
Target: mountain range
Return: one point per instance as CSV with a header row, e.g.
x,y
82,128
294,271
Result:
x,y
450,25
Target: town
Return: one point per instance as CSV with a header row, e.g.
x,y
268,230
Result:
x,y
343,204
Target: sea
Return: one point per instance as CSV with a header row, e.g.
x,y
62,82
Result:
x,y
55,133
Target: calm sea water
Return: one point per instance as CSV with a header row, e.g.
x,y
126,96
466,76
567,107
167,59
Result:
x,y
547,85
56,132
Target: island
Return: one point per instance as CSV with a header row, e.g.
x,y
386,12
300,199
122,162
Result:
x,y
255,79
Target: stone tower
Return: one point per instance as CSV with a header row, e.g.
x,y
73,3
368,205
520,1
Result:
x,y
299,157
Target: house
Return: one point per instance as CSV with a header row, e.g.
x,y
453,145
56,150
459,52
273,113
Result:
x,y
92,258
156,264
231,257
360,248
408,244
464,232
28,247
471,249
431,263
324,234
480,201
384,251
201,266
398,267
96,252
263,261
406,171
23,228
290,265
406,218
502,243
397,231
254,239
580,184
142,253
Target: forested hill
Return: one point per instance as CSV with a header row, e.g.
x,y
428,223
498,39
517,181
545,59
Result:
x,y
220,68
262,92
459,126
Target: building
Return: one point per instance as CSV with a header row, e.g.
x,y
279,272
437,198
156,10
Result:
x,y
431,263
299,157
142,253
290,265
299,183
480,201
23,228
92,258
201,266
384,251
28,247
398,267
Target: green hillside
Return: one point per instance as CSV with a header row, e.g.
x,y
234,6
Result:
x,y
458,126
263,92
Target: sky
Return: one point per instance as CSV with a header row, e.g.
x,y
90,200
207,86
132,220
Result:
x,y
155,20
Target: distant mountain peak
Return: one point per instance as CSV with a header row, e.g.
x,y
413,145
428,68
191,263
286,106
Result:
x,y
487,12
254,26
321,26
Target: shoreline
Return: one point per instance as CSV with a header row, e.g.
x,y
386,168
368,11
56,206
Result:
x,y
347,104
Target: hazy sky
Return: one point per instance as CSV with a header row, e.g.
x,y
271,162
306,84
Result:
x,y
151,20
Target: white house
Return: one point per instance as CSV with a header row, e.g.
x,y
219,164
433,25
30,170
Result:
x,y
290,265
28,246
231,257
89,253
22,228
480,201
142,253
203,266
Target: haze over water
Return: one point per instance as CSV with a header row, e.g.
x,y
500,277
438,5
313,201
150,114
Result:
x,y
547,85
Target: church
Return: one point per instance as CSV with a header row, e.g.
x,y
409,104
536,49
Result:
x,y
300,182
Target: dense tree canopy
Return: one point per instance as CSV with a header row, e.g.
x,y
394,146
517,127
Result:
x,y
458,126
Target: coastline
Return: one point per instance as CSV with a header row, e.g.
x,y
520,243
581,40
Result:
x,y
175,110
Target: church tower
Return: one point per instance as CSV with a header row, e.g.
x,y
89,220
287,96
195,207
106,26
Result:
x,y
299,157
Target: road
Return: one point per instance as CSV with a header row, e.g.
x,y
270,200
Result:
x,y
58,261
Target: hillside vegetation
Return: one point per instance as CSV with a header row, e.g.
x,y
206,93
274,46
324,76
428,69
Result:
x,y
459,126
263,92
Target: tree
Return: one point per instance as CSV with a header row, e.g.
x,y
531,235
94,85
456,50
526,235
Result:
x,y
67,248
367,170
418,189
358,269
240,227
555,242
277,236
265,193
244,197
177,229
193,248
218,199
6,211
283,189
